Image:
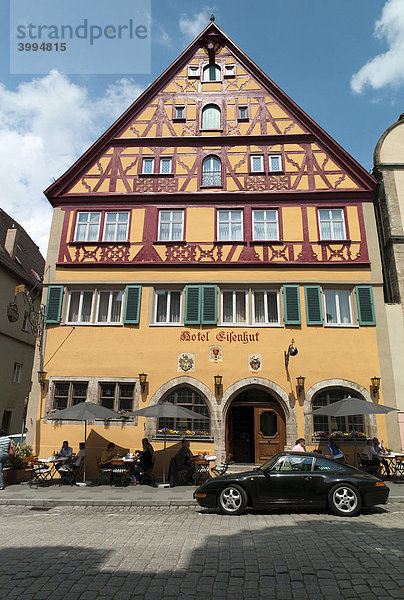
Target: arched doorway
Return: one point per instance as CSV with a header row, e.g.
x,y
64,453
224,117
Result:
x,y
255,427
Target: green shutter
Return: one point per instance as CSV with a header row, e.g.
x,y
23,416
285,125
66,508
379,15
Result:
x,y
366,310
314,313
209,305
133,296
192,305
292,304
54,304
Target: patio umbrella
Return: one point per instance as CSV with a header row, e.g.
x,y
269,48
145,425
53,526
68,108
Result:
x,y
84,411
167,410
351,406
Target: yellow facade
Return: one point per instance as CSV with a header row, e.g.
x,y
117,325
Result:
x,y
204,232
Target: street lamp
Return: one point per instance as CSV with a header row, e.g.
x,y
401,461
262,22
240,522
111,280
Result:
x,y
218,383
142,380
42,378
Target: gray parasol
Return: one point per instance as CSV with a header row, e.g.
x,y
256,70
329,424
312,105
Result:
x,y
84,411
351,406
166,410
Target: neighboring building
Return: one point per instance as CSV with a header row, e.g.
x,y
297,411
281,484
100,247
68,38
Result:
x,y
210,226
389,171
21,264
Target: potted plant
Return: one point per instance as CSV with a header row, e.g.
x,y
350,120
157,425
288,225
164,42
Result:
x,y
15,468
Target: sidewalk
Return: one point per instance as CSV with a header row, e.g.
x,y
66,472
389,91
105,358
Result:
x,y
104,495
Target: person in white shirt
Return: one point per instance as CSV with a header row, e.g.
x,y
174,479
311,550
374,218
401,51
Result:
x,y
66,451
300,445
379,448
371,454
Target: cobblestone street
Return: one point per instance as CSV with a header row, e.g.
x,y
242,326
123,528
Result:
x,y
186,553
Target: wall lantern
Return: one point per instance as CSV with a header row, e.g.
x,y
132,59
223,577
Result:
x,y
42,378
292,351
300,384
375,381
142,379
218,383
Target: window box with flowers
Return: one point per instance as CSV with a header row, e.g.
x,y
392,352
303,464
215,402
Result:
x,y
340,436
173,434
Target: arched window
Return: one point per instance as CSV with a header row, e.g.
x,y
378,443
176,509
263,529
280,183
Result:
x,y
211,117
212,171
330,424
187,398
211,73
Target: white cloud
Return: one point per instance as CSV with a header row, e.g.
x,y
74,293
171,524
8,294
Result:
x,y
190,27
45,125
387,68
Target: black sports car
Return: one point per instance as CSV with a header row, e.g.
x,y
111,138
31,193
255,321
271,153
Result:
x,y
294,479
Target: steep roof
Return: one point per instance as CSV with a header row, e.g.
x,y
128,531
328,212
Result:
x,y
215,33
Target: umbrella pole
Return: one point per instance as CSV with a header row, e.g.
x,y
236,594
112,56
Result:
x,y
164,455
85,450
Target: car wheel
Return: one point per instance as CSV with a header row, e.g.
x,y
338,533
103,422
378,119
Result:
x,y
344,500
232,500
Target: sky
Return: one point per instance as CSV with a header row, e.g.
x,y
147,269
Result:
x,y
341,62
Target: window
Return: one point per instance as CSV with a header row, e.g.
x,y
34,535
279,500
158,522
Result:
x,y
337,307
109,307
234,307
80,307
211,117
331,223
171,225
194,71
242,113
275,162
327,424
17,373
25,322
211,73
117,396
165,165
265,307
116,227
257,163
87,226
212,171
168,307
148,166
68,394
200,304
285,464
187,398
179,112
229,225
265,225
230,70
6,420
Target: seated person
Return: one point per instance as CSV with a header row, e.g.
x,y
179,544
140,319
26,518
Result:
x,y
370,453
300,445
65,451
379,448
80,455
107,454
335,451
184,461
145,460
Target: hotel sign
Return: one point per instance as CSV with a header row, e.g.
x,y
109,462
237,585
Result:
x,y
237,337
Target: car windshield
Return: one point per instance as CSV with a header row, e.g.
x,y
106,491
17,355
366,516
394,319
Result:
x,y
267,466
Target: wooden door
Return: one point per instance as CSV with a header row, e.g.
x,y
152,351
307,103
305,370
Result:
x,y
269,433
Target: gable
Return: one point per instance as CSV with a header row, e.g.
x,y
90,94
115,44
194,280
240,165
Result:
x,y
269,123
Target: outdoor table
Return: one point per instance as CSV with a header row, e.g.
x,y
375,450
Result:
x,y
396,463
51,462
120,466
202,467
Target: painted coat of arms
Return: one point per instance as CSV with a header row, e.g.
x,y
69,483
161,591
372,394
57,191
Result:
x,y
215,353
186,362
255,362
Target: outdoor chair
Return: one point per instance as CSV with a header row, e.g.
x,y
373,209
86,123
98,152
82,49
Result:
x,y
120,472
148,476
398,473
41,473
70,473
218,470
366,465
104,473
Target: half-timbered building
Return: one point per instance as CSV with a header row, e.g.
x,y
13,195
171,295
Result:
x,y
218,242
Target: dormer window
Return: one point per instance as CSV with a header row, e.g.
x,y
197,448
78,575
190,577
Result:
x,y
211,73
194,71
229,70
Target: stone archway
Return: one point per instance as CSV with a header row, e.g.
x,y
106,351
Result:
x,y
370,420
201,388
275,394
